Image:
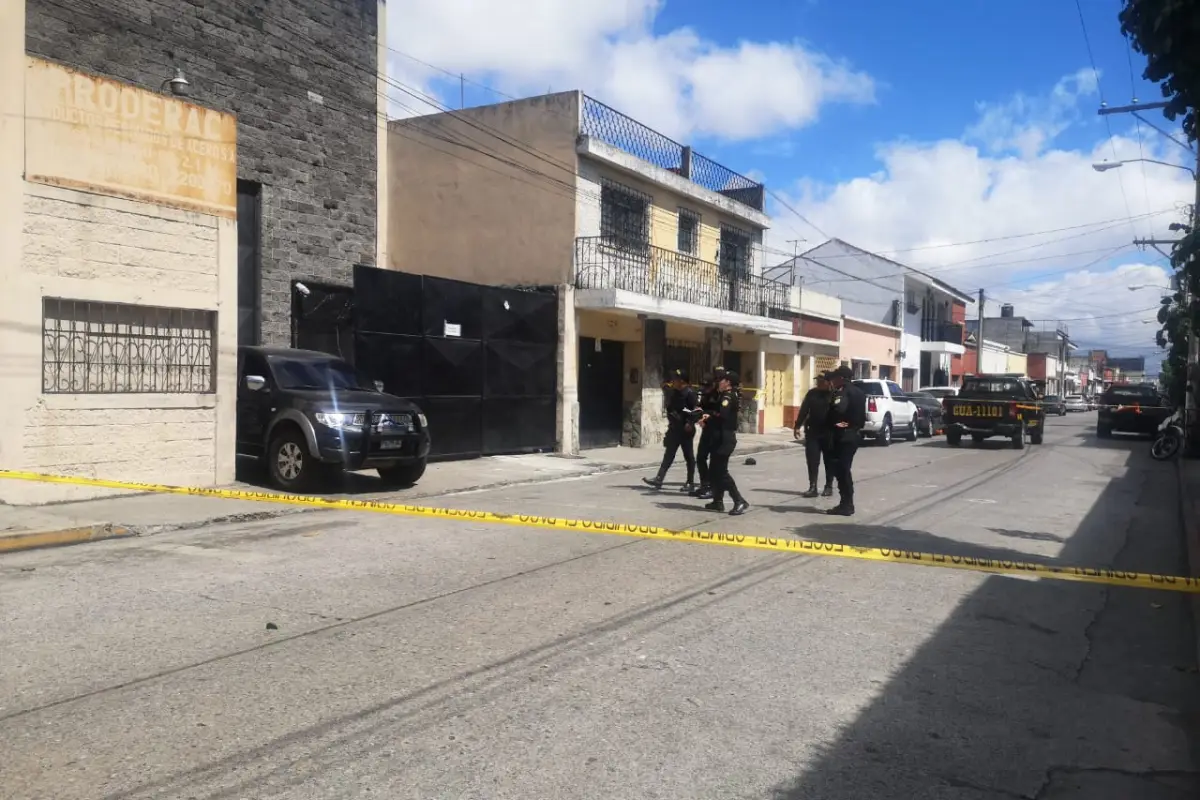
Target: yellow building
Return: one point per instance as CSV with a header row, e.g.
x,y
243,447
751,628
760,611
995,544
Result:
x,y
657,252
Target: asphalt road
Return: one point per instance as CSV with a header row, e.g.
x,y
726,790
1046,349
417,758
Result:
x,y
346,655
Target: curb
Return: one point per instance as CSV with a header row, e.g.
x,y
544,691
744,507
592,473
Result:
x,y
21,542
1191,540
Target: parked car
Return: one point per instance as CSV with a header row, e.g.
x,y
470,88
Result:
x,y
929,413
995,405
1054,405
307,414
1131,409
1075,402
888,410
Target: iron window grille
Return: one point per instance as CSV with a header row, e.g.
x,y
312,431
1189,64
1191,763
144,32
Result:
x,y
624,217
91,347
735,252
689,232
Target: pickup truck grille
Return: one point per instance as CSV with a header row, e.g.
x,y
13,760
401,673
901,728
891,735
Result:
x,y
392,422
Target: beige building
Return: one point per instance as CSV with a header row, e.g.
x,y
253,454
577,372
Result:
x,y
871,349
655,248
118,209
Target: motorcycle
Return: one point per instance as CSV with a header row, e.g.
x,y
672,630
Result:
x,y
1169,440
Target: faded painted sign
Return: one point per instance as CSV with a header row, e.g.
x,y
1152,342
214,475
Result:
x,y
87,132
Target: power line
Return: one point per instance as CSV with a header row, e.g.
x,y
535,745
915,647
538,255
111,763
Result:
x,y
1099,88
462,140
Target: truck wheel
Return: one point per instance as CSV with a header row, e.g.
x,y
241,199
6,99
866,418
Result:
x,y
1018,440
885,433
402,475
913,433
954,439
289,464
1036,437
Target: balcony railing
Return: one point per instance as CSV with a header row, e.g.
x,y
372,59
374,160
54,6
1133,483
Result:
x,y
934,331
670,275
626,133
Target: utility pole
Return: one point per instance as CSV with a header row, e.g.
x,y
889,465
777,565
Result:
x,y
795,243
979,339
1193,349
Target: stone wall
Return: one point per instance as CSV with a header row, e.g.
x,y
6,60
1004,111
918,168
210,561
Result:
x,y
301,77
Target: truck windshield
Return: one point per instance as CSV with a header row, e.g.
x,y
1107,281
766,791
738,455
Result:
x,y
992,387
330,374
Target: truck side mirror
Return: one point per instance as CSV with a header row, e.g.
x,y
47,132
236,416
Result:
x,y
256,383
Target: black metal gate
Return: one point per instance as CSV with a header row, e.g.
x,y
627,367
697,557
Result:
x,y
479,360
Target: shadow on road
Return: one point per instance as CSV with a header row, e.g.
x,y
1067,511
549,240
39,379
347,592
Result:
x,y
893,538
1008,699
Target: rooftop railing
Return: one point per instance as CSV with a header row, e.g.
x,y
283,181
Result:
x,y
610,126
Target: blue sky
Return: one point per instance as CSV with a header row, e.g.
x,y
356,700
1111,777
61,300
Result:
x,y
943,134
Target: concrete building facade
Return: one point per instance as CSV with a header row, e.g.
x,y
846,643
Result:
x,y
879,297
149,230
656,251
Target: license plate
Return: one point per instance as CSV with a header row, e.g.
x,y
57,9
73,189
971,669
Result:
x,y
979,411
395,444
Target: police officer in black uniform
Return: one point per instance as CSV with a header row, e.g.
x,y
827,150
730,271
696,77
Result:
x,y
818,435
682,414
710,403
848,412
724,432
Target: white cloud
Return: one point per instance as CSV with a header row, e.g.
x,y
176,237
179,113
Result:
x,y
1007,175
676,82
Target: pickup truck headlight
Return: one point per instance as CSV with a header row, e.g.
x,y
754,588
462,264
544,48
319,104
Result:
x,y
421,419
339,419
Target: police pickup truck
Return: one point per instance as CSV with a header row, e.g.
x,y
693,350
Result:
x,y
994,405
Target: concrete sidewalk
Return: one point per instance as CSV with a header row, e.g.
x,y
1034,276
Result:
x,y
1188,471
29,527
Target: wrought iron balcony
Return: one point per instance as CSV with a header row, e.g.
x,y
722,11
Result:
x,y
669,275
934,331
625,133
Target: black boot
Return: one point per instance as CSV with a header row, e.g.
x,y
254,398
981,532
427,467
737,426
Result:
x,y
716,505
655,482
842,509
703,493
812,491
740,506
688,488
827,491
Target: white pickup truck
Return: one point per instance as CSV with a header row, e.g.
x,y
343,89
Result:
x,y
888,411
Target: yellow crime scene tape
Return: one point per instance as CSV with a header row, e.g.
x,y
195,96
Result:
x,y
1106,577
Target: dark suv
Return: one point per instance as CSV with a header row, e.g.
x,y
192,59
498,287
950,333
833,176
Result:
x,y
307,413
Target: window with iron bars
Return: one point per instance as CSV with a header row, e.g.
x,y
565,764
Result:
x,y
93,347
624,217
689,232
735,252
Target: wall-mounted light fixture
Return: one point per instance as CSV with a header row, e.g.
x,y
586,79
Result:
x,y
178,85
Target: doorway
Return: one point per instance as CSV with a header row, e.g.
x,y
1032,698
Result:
x,y
601,392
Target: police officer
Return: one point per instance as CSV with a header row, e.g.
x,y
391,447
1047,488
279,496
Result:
x,y
723,424
682,414
710,403
848,413
818,434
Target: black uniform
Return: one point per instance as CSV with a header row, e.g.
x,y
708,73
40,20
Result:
x,y
724,442
710,403
814,417
849,406
682,413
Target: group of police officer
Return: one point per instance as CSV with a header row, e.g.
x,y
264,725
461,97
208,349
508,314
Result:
x,y
832,416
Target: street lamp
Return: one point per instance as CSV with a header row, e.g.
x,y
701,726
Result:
x,y
1105,166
